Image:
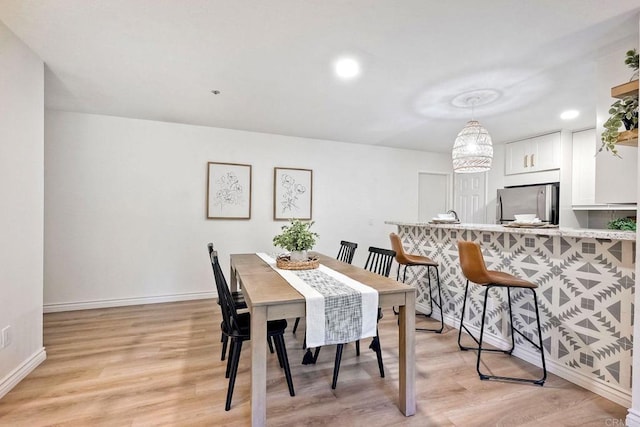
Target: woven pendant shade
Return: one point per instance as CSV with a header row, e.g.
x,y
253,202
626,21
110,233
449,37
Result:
x,y
472,150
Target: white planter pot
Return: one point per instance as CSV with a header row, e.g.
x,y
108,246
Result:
x,y
299,256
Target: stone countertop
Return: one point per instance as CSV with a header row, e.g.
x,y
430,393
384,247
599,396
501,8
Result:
x,y
538,231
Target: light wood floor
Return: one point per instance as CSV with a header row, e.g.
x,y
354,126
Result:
x,y
160,364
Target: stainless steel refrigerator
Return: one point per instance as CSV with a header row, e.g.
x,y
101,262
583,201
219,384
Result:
x,y
541,200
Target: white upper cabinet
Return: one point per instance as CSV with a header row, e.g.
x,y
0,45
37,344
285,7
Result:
x,y
536,154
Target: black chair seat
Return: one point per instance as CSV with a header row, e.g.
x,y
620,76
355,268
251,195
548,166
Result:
x,y
238,300
274,327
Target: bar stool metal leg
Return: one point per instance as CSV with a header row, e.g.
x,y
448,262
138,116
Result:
x,y
539,346
431,302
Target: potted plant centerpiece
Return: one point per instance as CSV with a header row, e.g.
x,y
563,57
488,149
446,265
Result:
x,y
622,112
297,238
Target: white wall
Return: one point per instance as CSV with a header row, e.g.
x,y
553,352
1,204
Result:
x,y
125,202
21,216
615,177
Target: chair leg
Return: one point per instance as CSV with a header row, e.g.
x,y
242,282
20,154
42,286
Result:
x,y
484,311
295,325
540,381
464,306
513,338
544,366
375,346
358,348
278,350
281,349
270,344
236,347
336,365
232,348
224,339
431,302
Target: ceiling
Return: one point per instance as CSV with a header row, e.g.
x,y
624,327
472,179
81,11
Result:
x,y
271,62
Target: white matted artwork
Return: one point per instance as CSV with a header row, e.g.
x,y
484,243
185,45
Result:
x,y
228,191
292,193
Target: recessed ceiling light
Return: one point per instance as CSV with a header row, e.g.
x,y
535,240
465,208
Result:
x,y
347,68
569,114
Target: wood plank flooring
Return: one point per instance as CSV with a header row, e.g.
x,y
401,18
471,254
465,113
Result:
x,y
159,364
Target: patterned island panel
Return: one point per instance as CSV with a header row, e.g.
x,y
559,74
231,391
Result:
x,y
586,289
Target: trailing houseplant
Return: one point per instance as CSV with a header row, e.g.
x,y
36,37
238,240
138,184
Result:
x,y
633,61
296,238
622,112
628,224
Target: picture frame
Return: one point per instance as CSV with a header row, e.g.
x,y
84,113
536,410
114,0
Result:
x,y
292,193
228,191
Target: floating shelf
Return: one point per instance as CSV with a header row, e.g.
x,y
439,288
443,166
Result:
x,y
627,89
629,137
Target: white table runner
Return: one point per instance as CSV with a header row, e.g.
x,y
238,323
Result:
x,y
339,309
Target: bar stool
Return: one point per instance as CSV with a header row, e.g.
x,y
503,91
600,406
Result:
x,y
475,270
409,260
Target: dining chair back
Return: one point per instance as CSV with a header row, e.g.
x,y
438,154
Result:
x,y
237,328
347,251
380,261
238,302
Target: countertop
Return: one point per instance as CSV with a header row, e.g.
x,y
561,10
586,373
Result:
x,y
563,232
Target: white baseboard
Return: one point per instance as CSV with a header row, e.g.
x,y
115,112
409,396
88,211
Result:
x,y
19,373
633,418
87,305
594,385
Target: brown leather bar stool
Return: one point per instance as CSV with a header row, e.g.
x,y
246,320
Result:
x,y
409,260
475,270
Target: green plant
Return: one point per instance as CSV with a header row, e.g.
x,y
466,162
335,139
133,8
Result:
x,y
622,224
296,236
621,111
632,59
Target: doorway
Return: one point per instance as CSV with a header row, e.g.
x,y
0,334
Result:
x,y
471,197
434,194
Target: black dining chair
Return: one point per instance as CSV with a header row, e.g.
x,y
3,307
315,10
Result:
x,y
237,328
347,251
240,303
378,261
345,254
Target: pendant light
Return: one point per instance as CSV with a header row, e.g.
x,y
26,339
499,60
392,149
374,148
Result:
x,y
472,150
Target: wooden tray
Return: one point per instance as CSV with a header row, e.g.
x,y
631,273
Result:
x,y
284,262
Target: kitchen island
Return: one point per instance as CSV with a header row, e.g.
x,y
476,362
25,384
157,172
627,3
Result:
x,y
586,284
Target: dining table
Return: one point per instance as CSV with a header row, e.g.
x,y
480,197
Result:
x,y
270,297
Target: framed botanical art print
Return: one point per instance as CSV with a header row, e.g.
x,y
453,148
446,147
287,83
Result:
x,y
292,193
228,191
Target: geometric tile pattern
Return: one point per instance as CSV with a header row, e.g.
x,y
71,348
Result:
x,y
585,293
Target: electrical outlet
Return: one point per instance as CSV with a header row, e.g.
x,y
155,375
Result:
x,y
6,336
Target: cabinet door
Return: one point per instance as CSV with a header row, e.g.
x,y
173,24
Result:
x,y
545,152
516,157
583,172
536,154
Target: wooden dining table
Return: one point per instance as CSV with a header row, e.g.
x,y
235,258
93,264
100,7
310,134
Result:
x,y
269,297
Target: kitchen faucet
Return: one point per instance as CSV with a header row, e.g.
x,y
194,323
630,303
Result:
x,y
455,214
